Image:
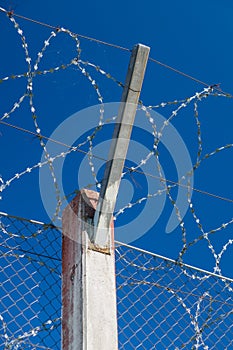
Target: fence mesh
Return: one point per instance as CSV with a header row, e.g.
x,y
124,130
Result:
x,y
162,304
30,285
166,305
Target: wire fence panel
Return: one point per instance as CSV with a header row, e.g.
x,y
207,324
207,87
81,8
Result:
x,y
162,304
30,285
166,305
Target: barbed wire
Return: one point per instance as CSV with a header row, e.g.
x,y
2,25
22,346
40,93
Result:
x,y
205,297
157,134
17,247
215,86
179,306
128,169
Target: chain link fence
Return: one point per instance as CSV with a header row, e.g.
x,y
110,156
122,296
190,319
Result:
x,y
166,305
30,285
161,304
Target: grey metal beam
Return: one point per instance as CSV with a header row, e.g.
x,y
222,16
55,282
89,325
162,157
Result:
x,y
119,146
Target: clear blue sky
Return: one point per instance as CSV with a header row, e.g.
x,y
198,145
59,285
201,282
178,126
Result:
x,y
193,37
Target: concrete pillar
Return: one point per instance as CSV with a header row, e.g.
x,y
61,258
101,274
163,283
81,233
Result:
x,y
89,317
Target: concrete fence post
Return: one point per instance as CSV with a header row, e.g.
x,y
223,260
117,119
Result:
x,y
89,316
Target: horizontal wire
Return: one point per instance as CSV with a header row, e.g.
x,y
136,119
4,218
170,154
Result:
x,y
125,49
121,244
185,74
175,262
48,139
57,27
187,186
29,252
29,220
136,281
132,281
215,86
126,167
